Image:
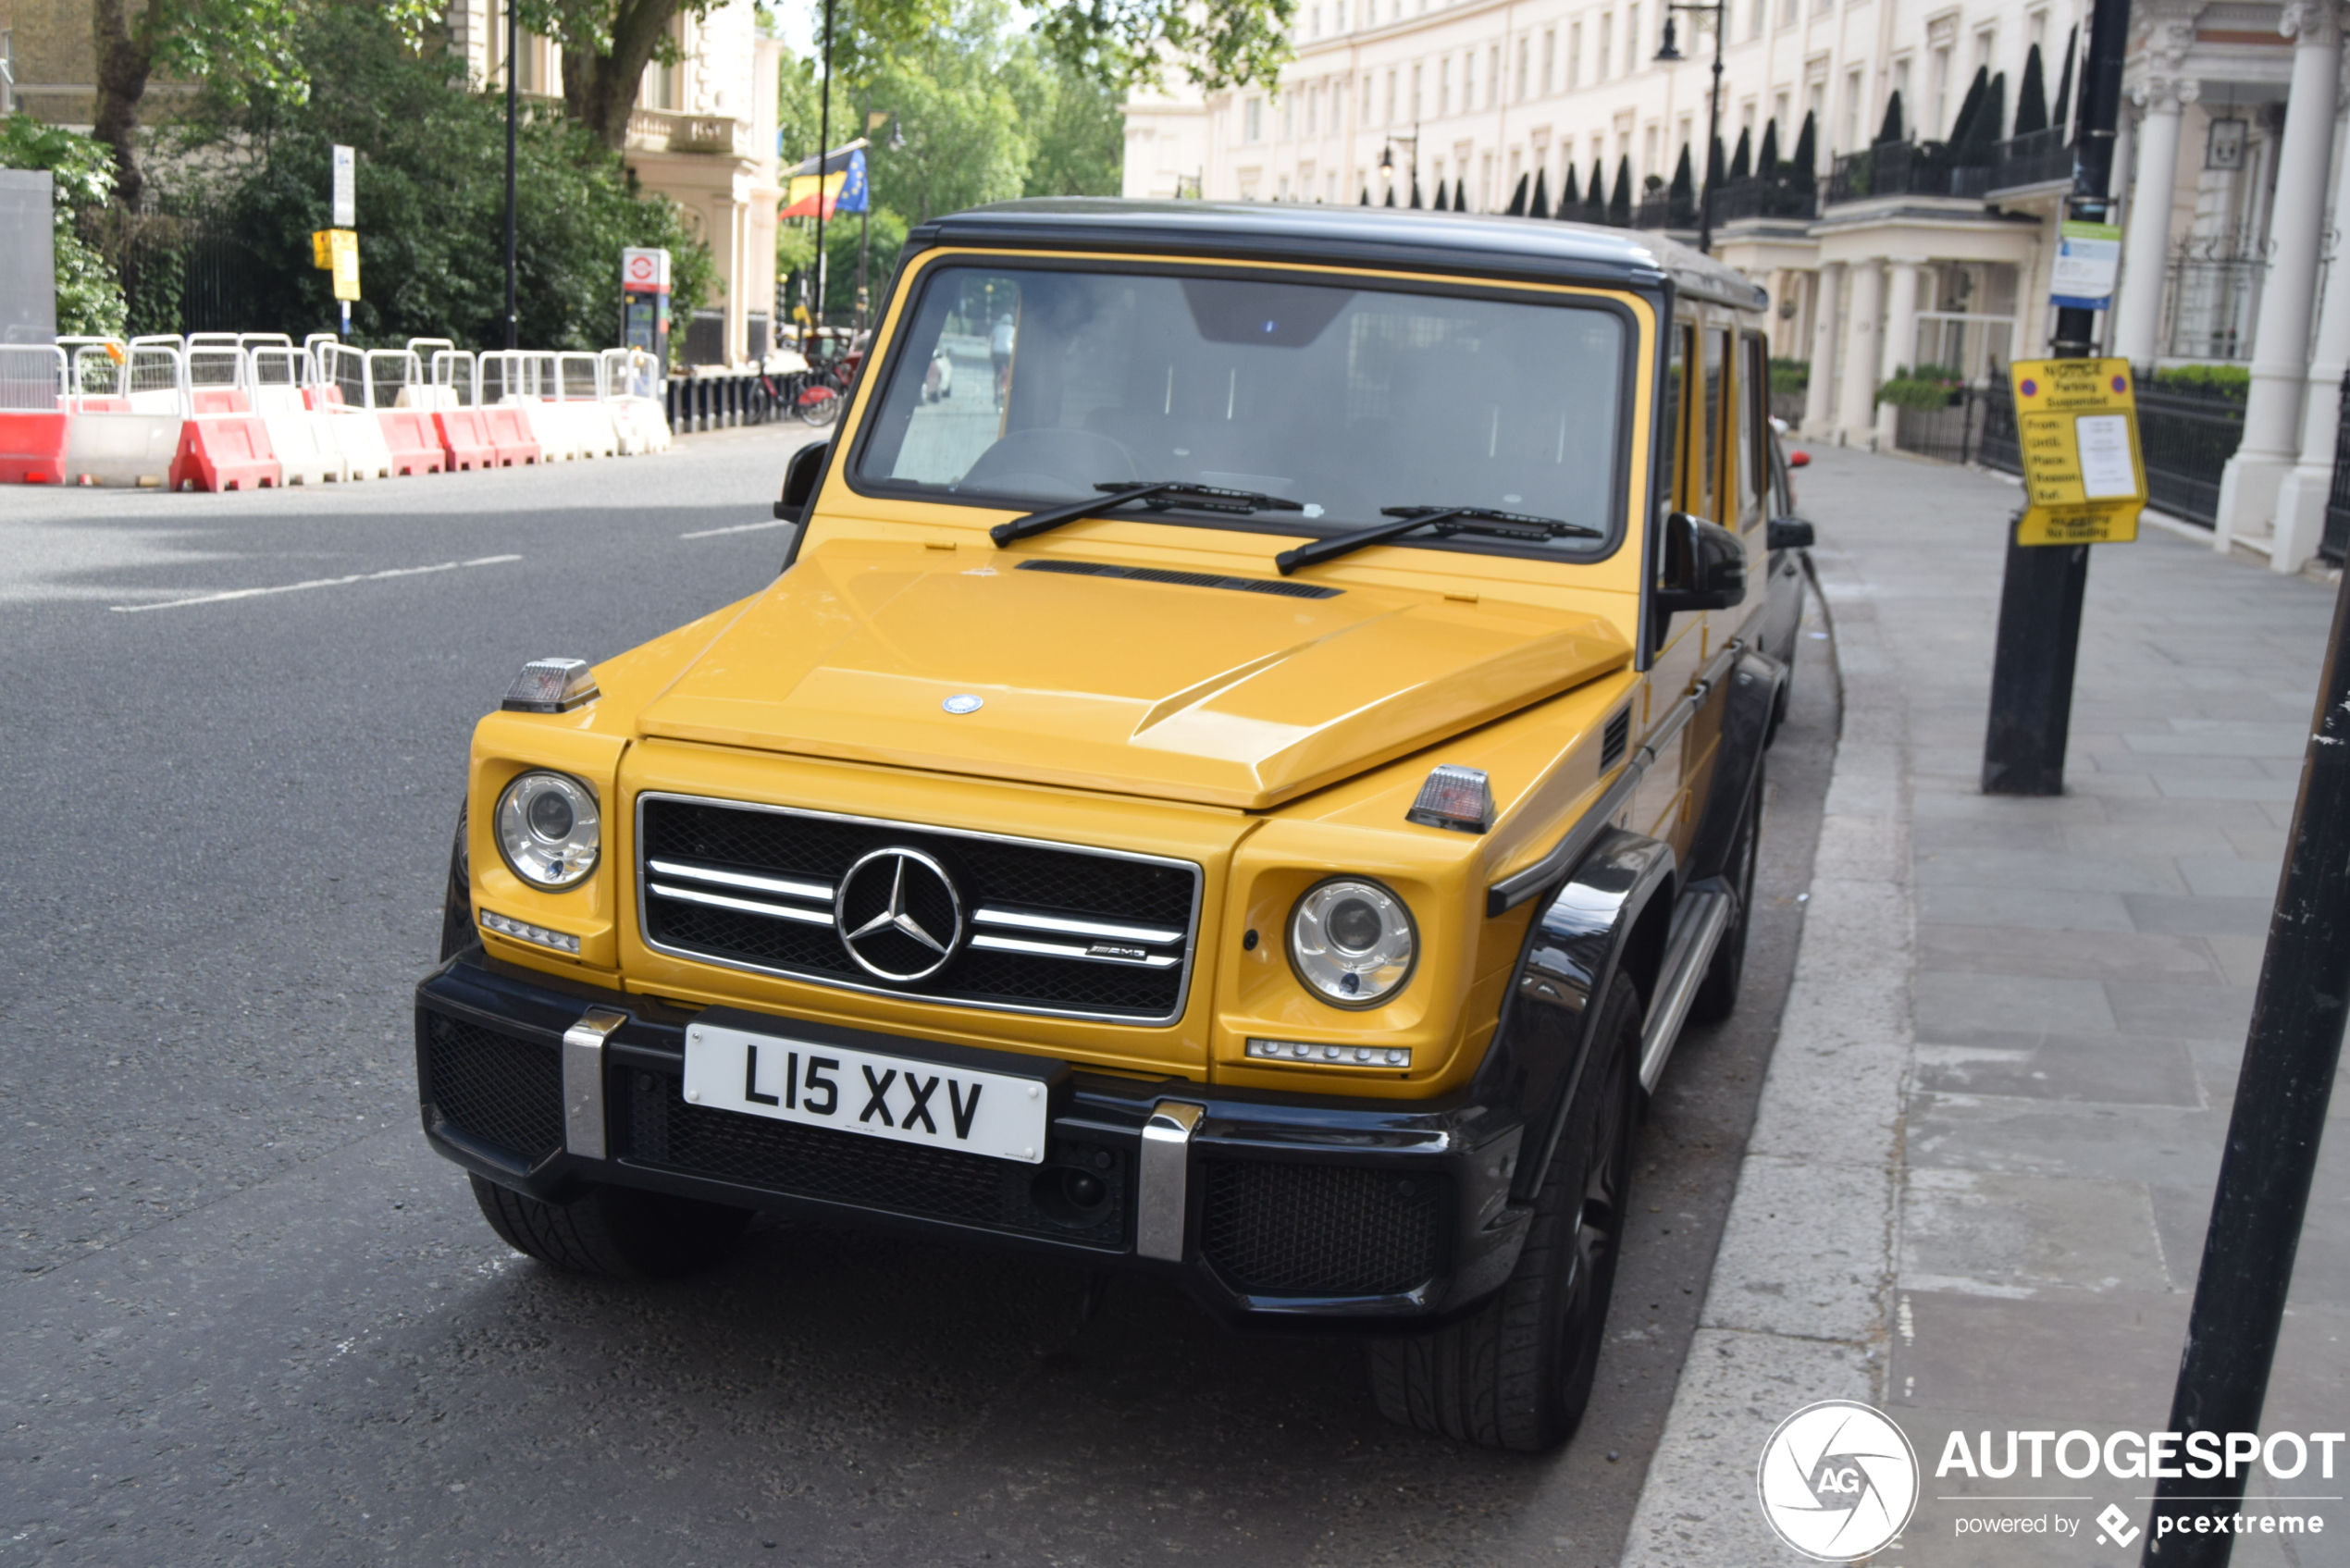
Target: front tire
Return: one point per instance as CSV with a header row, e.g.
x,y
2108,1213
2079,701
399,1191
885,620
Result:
x,y
614,1232
1519,1374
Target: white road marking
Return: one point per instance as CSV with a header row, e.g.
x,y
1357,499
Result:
x,y
314,582
738,528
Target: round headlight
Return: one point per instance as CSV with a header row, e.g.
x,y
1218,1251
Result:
x,y
548,830
1351,942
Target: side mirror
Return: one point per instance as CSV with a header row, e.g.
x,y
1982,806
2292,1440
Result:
x,y
1704,566
1790,533
1798,459
800,480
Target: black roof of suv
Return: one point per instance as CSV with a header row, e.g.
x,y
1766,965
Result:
x,y
1538,249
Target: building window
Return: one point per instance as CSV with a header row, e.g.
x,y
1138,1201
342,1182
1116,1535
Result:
x,y
1550,58
1852,110
1444,87
1313,109
1648,158
1607,44
1575,57
1778,114
1631,40
1682,134
1754,27
1525,52
1984,41
2038,24
1252,120
1786,13
1492,75
1938,74
1390,118
1416,94
1815,99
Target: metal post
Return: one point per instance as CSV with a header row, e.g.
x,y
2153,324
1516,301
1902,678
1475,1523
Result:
x,y
513,37
1712,135
823,144
2282,1092
2040,600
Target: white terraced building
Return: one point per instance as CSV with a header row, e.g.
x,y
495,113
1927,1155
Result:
x,y
2230,165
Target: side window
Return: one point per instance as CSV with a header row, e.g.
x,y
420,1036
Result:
x,y
1710,500
1669,433
1754,431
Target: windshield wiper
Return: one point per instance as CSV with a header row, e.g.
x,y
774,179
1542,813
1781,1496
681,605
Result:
x,y
1158,496
1446,519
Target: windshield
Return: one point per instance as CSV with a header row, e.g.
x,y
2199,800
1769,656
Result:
x,y
1027,387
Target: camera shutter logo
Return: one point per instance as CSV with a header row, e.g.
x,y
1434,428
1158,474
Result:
x,y
1837,1481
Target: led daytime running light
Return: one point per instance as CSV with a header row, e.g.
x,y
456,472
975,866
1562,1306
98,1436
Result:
x,y
1309,1053
522,930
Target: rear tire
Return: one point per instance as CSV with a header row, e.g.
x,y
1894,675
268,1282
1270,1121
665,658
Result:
x,y
1518,1372
1717,993
615,1232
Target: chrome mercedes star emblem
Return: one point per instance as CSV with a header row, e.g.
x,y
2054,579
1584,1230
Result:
x,y
898,914
963,702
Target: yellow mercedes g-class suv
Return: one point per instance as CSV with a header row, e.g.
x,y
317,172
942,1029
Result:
x,y
1248,788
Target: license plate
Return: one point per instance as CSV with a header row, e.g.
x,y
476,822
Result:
x,y
937,1104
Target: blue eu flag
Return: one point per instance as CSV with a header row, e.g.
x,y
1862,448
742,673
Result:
x,y
853,191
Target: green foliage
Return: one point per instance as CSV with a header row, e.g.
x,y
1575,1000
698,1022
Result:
x,y
2233,382
1927,388
1891,129
1080,137
90,300
1791,375
431,203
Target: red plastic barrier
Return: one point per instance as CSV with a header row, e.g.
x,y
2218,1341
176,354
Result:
x,y
509,430
466,438
101,405
416,446
219,399
33,448
317,397
225,452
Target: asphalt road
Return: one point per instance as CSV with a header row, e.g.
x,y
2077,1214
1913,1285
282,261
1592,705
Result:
x,y
249,1319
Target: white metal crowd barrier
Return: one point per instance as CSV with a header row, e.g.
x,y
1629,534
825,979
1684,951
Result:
x,y
33,377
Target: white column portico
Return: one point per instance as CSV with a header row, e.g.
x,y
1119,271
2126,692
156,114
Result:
x,y
2146,246
2248,490
1826,286
2301,501
1855,402
1900,332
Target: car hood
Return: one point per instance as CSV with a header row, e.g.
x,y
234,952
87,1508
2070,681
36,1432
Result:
x,y
1186,690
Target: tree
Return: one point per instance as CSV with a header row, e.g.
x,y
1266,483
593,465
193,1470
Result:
x,y
90,299
2063,118
231,46
1542,207
606,45
1891,131
1805,175
1619,204
1079,135
1743,160
1714,164
1766,160
431,158
1517,198
1970,105
1595,199
2031,98
1681,197
1570,196
1972,148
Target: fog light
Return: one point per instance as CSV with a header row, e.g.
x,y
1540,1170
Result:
x,y
522,930
1308,1053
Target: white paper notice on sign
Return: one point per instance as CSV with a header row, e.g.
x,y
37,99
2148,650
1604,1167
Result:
x,y
346,203
2106,469
2088,259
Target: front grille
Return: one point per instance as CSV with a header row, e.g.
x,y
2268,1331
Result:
x,y
665,1132
1323,1231
753,887
506,1091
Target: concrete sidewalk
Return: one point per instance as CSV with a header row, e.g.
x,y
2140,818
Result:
x,y
1978,1181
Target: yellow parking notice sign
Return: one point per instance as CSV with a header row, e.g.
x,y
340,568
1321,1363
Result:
x,y
337,250
2076,421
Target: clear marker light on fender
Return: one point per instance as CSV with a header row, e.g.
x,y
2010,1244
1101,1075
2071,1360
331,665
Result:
x,y
549,829
1351,942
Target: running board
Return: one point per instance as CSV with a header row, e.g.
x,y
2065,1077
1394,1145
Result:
x,y
1698,926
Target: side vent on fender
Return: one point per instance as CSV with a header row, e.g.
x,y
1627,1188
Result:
x,y
1616,737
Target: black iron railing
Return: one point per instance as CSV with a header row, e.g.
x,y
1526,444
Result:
x,y
1905,168
1977,426
2187,438
2037,157
2332,545
1756,197
1666,212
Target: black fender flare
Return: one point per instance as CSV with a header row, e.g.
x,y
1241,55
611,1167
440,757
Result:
x,y
1751,695
1612,907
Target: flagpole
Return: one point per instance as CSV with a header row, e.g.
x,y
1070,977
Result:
x,y
823,144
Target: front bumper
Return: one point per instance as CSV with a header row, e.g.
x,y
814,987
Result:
x,y
1281,1210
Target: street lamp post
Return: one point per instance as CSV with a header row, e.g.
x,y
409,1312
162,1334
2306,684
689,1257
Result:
x,y
1387,157
513,36
1719,11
